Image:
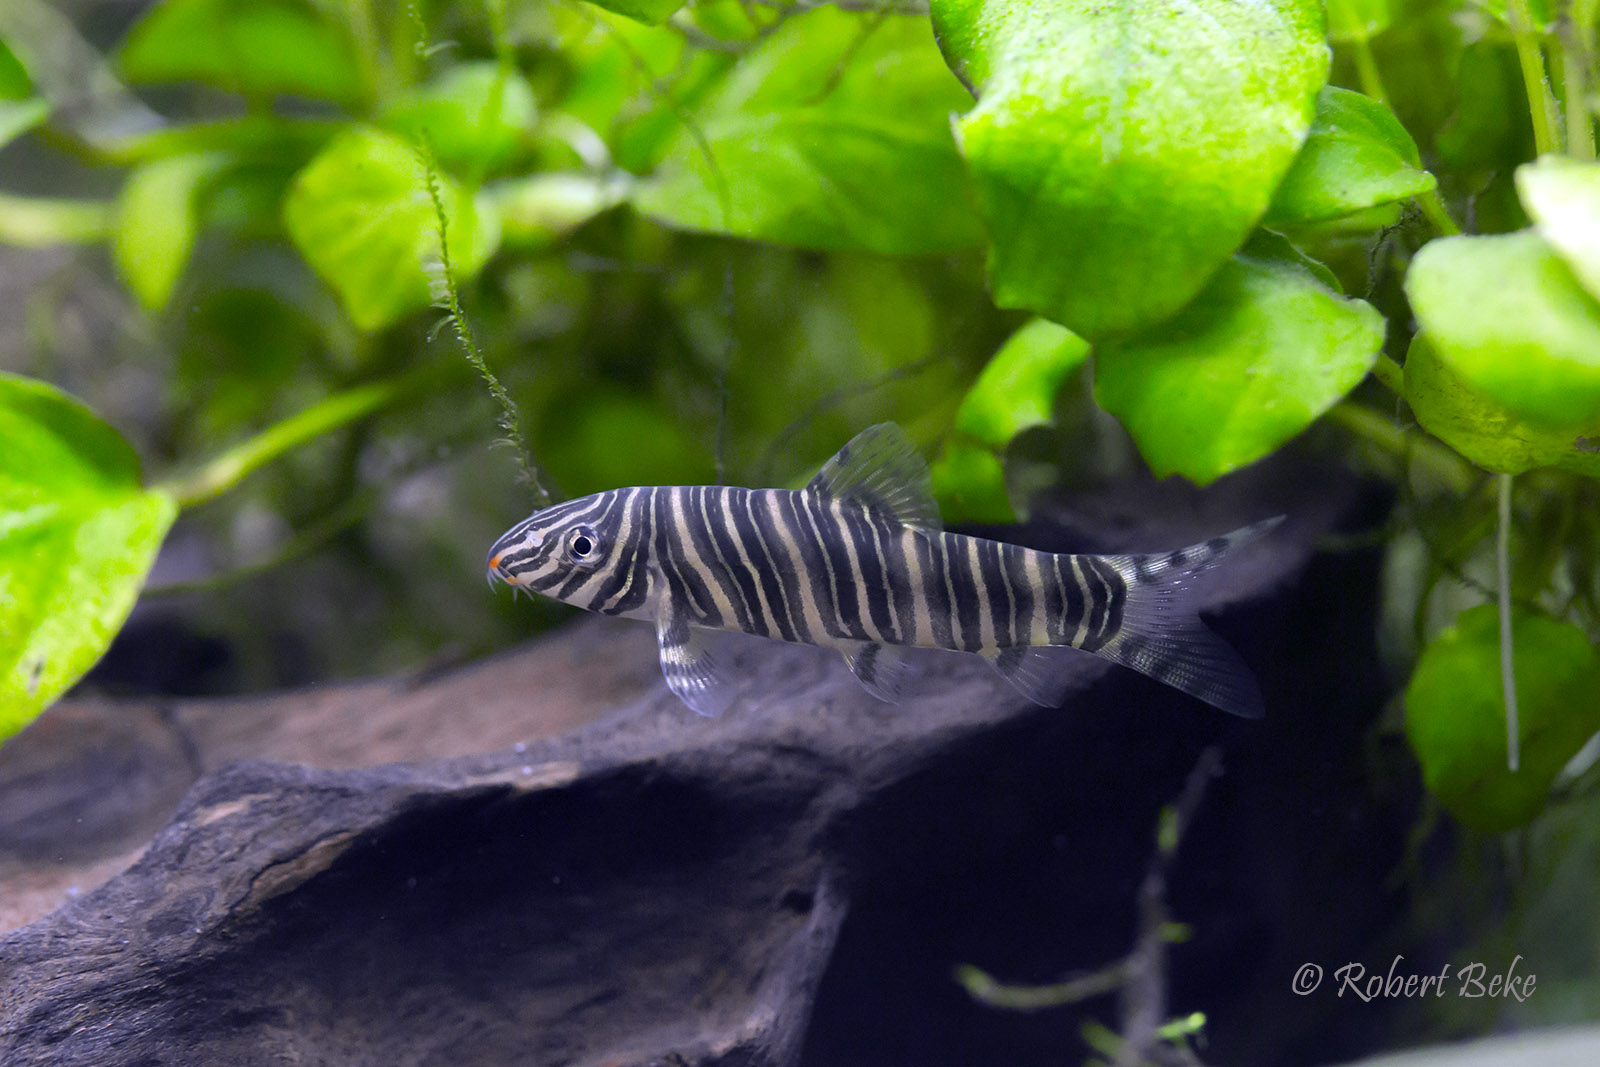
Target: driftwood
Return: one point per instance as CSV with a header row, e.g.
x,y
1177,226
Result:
x,y
622,882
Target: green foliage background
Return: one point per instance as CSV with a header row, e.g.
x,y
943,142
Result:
x,y
712,240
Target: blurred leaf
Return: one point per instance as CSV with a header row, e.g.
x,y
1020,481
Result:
x,y
38,223
834,133
1358,156
255,138
254,47
471,117
1264,350
1484,431
648,11
361,215
1562,196
1490,128
18,118
1357,20
14,81
1508,317
1543,12
157,219
541,209
607,437
1123,150
1456,717
78,533
969,482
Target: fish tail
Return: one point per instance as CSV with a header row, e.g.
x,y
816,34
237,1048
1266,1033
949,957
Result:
x,y
1161,633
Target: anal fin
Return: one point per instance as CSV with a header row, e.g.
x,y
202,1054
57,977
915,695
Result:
x,y
885,671
1046,676
690,668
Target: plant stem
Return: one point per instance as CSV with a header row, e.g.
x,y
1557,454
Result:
x,y
1367,70
1434,210
1390,374
223,472
1577,65
1455,473
1508,680
1541,103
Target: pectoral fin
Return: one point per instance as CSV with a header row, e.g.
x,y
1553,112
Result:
x,y
1046,676
883,670
691,671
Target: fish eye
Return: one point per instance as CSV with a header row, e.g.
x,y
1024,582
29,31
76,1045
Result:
x,y
583,545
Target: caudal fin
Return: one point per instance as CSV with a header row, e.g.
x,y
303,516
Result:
x,y
1162,635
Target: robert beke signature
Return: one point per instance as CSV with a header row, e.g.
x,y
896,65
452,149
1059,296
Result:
x,y
1469,980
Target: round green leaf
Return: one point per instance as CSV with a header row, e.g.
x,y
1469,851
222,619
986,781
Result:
x,y
540,209
1456,716
1562,196
157,219
1357,20
77,536
969,482
648,11
1484,431
1017,389
1122,150
1513,323
473,117
254,47
1358,156
1259,354
834,133
362,216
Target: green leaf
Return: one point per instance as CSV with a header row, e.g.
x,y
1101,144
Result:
x,y
969,482
18,118
834,133
473,118
1513,323
1456,716
1017,389
1358,156
1357,20
77,536
14,81
1264,350
157,219
647,11
38,223
1123,149
1562,196
361,215
1542,11
253,47
541,209
1484,431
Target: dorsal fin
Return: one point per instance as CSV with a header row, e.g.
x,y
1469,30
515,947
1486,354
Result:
x,y
881,471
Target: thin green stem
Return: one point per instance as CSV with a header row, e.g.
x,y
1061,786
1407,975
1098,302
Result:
x,y
370,57
1389,373
1367,70
227,470
1577,67
1419,450
1541,102
1434,211
1508,679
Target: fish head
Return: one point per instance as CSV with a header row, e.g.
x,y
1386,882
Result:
x,y
558,549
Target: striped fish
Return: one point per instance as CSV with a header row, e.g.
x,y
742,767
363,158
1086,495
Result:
x,y
857,561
